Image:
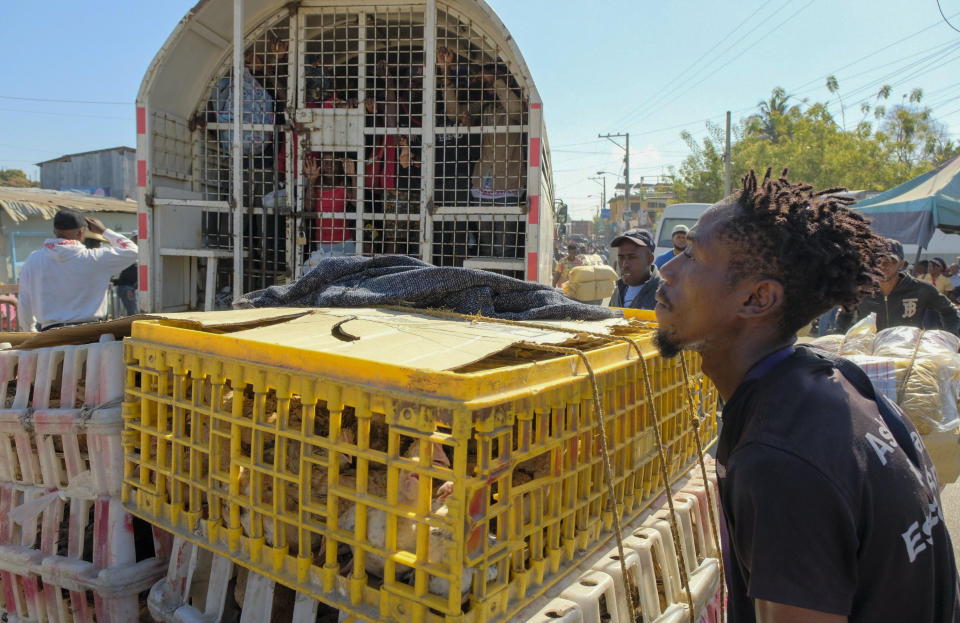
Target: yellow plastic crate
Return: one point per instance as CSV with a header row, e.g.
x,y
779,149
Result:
x,y
322,471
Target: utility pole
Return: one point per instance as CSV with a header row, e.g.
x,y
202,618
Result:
x,y
726,161
599,177
626,166
603,201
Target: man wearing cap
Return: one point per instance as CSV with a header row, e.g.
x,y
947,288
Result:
x,y
65,283
561,269
902,300
679,239
639,277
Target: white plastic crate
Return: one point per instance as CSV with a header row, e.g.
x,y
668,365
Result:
x,y
201,587
558,609
71,559
596,596
60,421
653,565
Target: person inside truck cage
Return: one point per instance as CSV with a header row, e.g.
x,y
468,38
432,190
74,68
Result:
x,y
331,184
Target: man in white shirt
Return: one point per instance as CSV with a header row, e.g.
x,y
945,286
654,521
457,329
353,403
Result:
x,y
64,282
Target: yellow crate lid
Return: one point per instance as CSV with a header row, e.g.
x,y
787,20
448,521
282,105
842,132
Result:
x,y
451,357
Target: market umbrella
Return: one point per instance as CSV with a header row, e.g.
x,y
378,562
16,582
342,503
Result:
x,y
911,211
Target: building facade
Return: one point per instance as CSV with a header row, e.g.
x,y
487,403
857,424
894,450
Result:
x,y
104,173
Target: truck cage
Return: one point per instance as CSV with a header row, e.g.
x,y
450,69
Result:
x,y
406,128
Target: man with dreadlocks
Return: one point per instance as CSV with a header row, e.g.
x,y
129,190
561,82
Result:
x,y
831,502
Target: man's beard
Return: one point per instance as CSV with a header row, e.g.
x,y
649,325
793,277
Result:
x,y
667,346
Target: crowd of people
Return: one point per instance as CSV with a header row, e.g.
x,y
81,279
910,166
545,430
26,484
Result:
x,y
926,295
923,297
639,270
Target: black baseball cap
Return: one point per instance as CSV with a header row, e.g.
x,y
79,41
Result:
x,y
895,248
637,236
67,219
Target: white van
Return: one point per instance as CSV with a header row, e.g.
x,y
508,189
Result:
x,y
673,215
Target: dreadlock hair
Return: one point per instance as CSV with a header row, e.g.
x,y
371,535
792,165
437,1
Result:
x,y
821,252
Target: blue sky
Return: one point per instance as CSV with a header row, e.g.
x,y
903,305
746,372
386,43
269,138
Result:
x,y
648,68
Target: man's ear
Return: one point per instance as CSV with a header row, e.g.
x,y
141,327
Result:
x,y
761,298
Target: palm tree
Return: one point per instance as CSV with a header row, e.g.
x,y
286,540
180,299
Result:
x,y
765,124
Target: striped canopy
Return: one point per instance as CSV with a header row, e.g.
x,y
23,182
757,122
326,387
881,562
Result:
x,y
911,211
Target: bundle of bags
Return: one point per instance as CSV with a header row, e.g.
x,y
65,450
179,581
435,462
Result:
x,y
917,369
592,281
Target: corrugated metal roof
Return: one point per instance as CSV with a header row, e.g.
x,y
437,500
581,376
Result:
x,y
121,149
23,203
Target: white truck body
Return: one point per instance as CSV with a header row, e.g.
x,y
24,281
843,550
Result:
x,y
673,215
450,162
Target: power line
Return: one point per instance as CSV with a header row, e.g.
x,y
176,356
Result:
x,y
929,52
870,55
919,67
64,114
798,91
59,101
594,141
939,8
653,97
576,151
711,71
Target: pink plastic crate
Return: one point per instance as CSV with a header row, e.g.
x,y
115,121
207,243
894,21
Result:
x,y
70,559
60,420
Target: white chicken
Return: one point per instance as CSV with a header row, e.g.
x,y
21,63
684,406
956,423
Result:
x,y
440,540
318,488
408,489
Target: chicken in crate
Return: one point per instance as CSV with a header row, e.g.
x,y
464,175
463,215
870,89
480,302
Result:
x,y
395,465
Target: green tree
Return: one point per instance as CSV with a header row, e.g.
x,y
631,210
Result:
x,y
700,178
900,143
16,177
774,120
834,87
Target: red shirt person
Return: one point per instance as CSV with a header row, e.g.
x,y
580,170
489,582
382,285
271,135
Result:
x,y
331,185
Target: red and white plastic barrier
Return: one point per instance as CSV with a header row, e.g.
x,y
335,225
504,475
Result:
x,y
68,548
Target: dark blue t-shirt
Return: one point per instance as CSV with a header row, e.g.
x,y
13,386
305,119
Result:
x,y
825,508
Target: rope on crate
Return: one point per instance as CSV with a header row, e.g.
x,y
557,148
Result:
x,y
695,421
607,469
26,419
674,529
906,375
86,412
